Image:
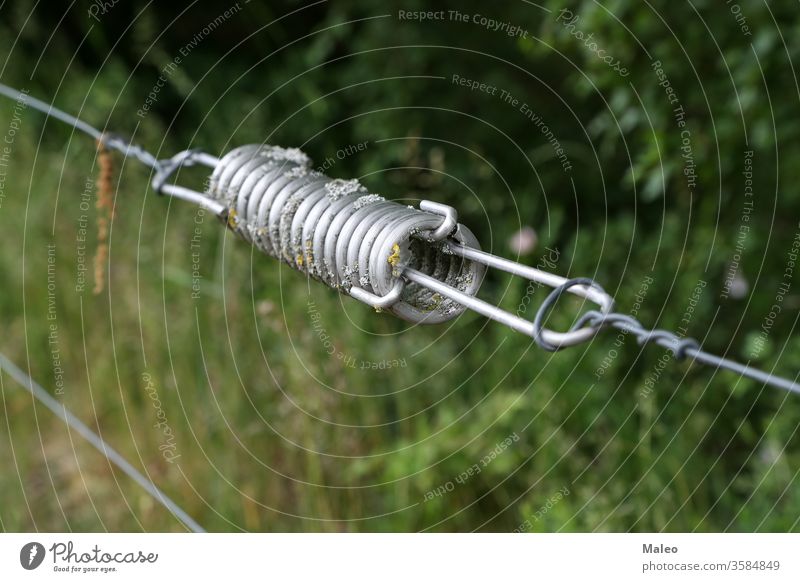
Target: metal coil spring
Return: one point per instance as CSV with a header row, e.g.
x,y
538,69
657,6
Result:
x,y
338,233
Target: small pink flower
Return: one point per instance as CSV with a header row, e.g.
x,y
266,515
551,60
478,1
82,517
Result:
x,y
523,241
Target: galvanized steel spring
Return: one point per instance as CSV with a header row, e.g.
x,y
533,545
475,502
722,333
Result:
x,y
338,233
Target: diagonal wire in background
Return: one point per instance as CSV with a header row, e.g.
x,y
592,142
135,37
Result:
x,y
97,442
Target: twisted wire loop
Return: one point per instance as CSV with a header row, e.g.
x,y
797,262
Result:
x,y
164,169
538,321
337,232
680,347
117,142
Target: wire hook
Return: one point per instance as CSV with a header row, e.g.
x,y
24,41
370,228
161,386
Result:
x,y
555,339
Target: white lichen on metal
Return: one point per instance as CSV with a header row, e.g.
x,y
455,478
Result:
x,y
287,241
339,188
293,155
309,257
347,280
367,199
296,172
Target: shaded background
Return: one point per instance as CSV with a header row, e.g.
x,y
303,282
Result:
x,y
274,433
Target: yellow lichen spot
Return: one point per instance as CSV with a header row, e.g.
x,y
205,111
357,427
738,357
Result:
x,y
435,303
299,260
309,253
394,258
233,220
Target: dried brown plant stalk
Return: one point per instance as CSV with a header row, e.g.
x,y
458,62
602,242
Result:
x,y
105,213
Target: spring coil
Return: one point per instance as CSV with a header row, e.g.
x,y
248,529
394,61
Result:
x,y
337,232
